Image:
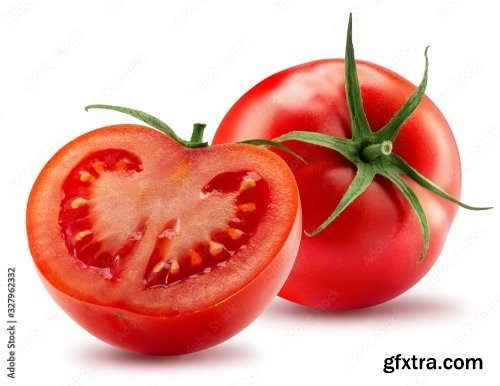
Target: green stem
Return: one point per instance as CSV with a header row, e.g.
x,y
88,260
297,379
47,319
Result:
x,y
197,135
371,152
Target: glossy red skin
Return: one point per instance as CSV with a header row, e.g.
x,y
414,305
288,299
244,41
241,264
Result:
x,y
186,333
150,328
369,254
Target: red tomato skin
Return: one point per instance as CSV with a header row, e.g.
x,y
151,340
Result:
x,y
186,333
158,331
369,254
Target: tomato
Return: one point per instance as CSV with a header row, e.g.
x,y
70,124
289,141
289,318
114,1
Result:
x,y
370,253
161,249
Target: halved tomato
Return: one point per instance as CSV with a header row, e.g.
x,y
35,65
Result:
x,y
161,249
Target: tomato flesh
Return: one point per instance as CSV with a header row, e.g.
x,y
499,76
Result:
x,y
147,244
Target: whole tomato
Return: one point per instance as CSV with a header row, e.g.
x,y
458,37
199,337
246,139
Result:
x,y
375,224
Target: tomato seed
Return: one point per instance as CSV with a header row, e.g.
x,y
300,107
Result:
x,y
195,258
99,167
87,177
247,183
247,207
174,267
80,235
78,202
215,248
234,233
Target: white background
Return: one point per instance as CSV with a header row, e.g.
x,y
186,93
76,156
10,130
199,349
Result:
x,y
188,61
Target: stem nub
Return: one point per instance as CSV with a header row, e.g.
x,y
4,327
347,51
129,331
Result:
x,y
371,152
197,135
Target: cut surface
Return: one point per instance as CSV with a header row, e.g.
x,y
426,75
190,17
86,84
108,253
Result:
x,y
187,249
158,228
89,216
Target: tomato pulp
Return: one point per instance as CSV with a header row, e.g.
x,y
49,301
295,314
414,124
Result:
x,y
369,254
161,249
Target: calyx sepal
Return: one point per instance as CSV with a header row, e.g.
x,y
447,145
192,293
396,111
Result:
x,y
196,137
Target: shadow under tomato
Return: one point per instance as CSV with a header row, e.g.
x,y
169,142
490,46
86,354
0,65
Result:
x,y
98,354
408,307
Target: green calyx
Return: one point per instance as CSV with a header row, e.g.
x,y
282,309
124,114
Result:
x,y
371,152
196,140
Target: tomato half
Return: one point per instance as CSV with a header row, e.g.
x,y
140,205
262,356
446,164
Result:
x,y
369,253
161,249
